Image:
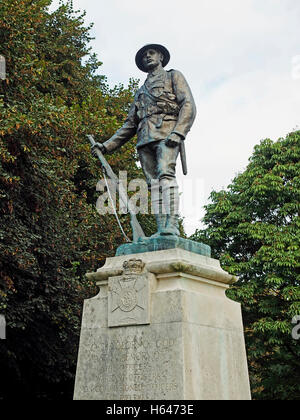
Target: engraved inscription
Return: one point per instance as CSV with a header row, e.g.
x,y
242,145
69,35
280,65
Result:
x,y
139,366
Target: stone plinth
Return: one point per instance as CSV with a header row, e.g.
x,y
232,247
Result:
x,y
162,328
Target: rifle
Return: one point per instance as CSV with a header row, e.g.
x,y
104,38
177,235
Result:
x,y
137,230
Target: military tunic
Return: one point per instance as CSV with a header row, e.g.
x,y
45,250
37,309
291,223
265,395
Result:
x,y
163,105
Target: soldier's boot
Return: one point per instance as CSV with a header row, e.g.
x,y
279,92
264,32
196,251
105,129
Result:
x,y
171,202
161,222
172,227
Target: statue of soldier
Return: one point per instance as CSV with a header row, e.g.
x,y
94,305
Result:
x,y
161,115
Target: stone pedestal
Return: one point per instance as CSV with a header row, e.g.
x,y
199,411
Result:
x,y
162,328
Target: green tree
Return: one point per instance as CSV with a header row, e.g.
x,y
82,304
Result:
x,y
253,227
50,232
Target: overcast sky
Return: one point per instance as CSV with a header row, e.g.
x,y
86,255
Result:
x,y
237,56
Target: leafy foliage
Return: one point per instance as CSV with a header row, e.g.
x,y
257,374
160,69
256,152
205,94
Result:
x,y
253,227
50,232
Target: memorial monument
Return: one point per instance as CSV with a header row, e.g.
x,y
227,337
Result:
x,y
161,326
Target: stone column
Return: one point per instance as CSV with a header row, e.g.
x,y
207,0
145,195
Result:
x,y
161,328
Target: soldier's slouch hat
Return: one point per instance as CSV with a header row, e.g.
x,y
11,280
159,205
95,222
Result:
x,y
158,47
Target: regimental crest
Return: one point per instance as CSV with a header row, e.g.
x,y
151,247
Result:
x,y
129,296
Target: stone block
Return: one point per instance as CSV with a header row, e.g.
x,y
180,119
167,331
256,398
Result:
x,y
187,344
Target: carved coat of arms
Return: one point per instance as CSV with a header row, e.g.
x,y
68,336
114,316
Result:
x,y
129,296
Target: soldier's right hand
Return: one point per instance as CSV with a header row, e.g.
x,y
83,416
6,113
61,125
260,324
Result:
x,y
99,146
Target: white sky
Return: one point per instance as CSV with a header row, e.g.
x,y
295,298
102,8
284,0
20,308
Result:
x,y
237,57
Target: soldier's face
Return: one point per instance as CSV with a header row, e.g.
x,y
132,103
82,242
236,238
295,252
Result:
x,y
152,59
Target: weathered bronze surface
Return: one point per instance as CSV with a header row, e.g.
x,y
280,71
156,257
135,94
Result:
x,y
161,115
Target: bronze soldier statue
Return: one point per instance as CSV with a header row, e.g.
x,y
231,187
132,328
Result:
x,y
161,115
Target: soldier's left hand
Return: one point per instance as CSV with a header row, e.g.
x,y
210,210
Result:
x,y
173,140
